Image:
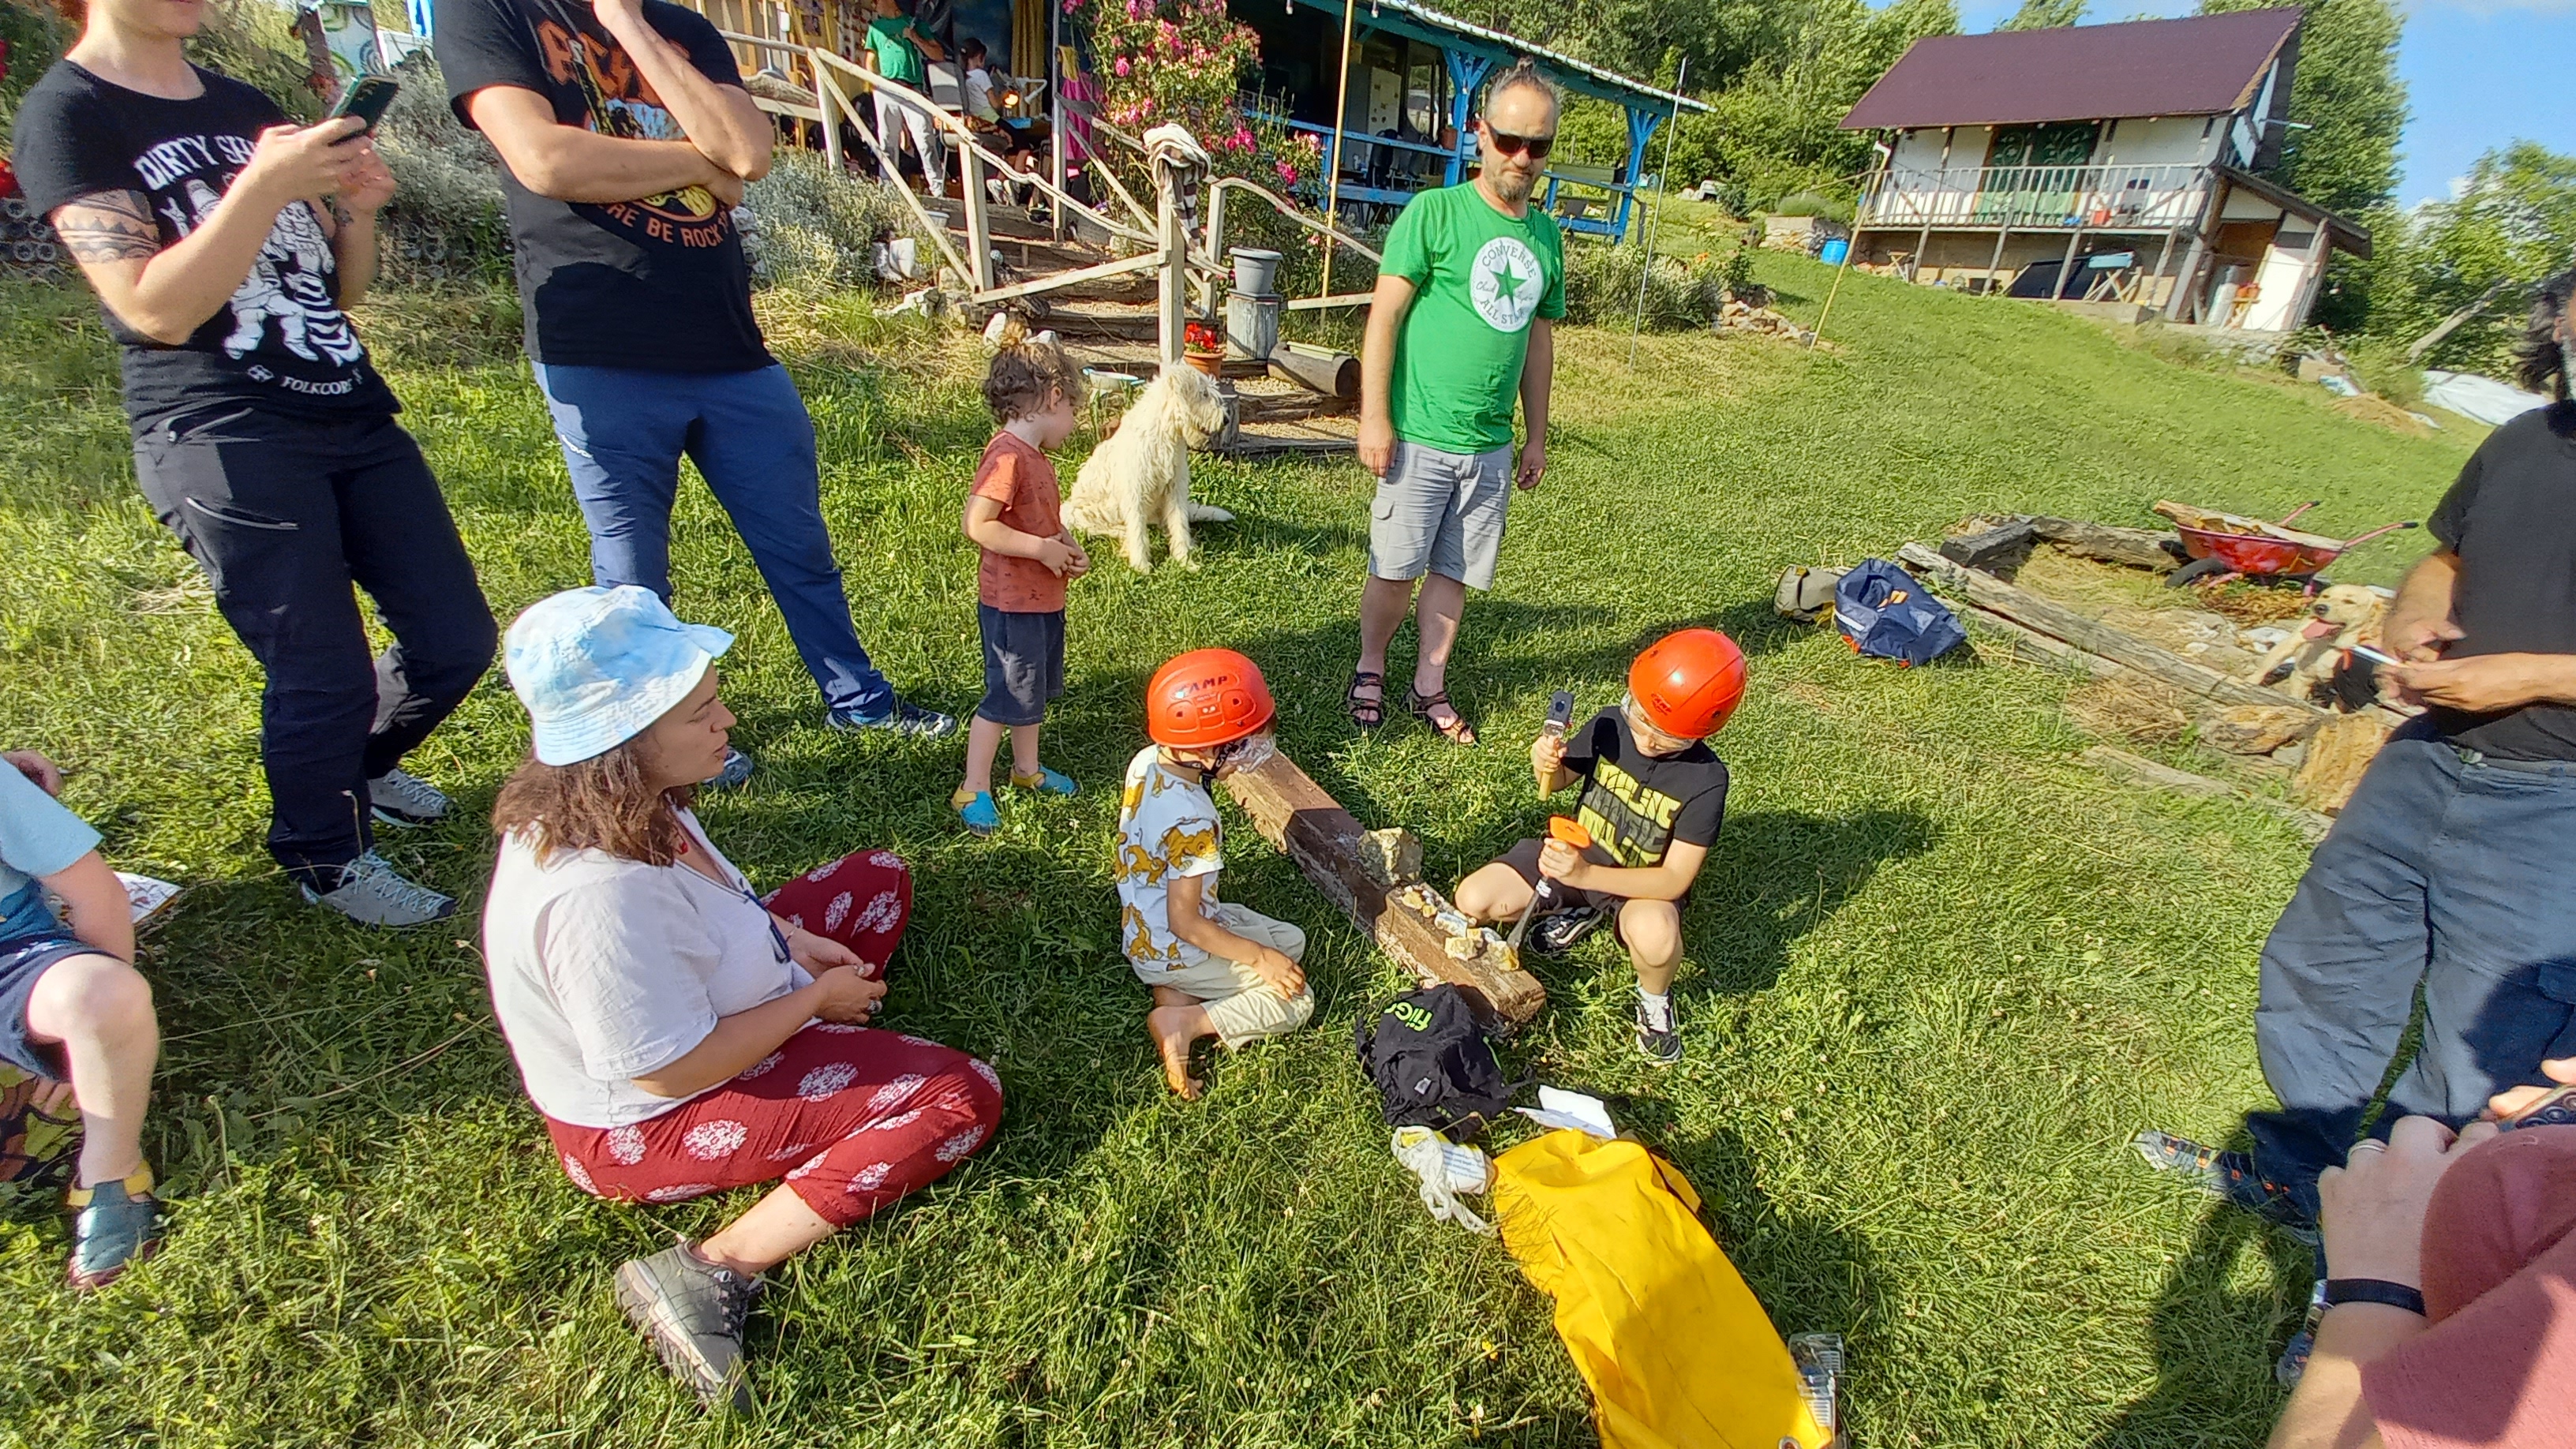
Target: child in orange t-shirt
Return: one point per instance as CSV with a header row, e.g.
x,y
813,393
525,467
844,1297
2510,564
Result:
x,y
1013,515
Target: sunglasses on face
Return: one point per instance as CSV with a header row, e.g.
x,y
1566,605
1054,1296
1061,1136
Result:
x,y
1511,145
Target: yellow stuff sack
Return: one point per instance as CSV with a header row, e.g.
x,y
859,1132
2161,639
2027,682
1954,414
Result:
x,y
1677,1351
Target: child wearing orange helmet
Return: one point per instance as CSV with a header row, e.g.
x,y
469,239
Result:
x,y
1653,794
1215,968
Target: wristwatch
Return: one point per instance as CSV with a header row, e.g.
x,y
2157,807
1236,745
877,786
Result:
x,y
2374,1290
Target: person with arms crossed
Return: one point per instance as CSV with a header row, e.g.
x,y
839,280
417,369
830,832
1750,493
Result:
x,y
626,139
1462,325
262,436
2449,867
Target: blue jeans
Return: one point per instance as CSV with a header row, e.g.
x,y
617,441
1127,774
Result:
x,y
2449,872
623,433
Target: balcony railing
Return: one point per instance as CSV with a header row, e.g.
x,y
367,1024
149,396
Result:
x,y
2117,198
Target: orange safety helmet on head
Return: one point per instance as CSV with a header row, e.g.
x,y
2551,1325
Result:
x,y
1206,698
1688,682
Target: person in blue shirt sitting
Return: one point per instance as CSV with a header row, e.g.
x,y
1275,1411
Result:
x,y
73,1009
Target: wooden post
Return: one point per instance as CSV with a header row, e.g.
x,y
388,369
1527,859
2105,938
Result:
x,y
827,99
979,227
1294,813
2003,229
1333,167
1173,294
2068,263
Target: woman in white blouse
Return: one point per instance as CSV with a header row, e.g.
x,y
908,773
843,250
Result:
x,y
680,1033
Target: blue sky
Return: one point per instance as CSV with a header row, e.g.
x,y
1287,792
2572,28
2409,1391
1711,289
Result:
x,y
2479,73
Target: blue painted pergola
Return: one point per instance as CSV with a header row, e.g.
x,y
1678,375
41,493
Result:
x,y
1473,52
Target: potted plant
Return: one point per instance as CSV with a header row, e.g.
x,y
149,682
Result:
x,y
1203,347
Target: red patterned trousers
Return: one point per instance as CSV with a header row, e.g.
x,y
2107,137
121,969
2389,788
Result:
x,y
851,1117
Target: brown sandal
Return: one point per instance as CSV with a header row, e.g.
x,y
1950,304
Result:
x,y
1367,714
1420,706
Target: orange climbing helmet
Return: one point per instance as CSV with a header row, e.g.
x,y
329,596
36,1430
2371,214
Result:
x,y
1688,682
1206,698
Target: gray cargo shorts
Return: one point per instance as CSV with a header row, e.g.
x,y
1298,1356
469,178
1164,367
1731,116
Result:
x,y
1440,513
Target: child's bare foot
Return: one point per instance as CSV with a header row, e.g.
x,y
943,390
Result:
x,y
1175,1030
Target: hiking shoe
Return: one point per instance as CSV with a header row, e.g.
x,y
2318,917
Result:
x,y
977,812
1659,1036
736,771
371,892
901,718
1045,782
2230,1177
693,1312
1555,933
404,800
115,1226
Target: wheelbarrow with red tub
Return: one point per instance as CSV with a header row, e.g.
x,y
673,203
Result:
x,y
2225,546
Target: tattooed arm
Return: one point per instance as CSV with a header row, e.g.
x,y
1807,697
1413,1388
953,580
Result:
x,y
351,222
167,293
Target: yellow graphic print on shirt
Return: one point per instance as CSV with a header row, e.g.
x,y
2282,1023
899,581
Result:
x,y
1632,822
1167,827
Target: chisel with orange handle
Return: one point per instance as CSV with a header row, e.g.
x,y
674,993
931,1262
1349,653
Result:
x,y
1559,827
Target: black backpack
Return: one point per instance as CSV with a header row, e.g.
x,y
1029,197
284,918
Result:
x,y
1433,1064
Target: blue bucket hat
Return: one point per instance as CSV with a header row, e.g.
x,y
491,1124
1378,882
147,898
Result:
x,y
596,666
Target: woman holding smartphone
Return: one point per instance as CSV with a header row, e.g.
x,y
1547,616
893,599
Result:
x,y
224,243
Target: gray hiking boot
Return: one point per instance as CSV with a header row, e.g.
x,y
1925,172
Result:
x,y
371,892
693,1312
404,800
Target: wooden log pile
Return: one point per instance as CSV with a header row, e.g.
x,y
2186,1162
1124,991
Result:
x,y
1362,873
2272,730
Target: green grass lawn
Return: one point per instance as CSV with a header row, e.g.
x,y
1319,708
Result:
x,y
1939,971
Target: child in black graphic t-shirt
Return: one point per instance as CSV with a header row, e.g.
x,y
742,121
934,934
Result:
x,y
1652,797
224,244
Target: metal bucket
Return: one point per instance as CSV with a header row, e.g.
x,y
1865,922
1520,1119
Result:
x,y
1251,322
1256,271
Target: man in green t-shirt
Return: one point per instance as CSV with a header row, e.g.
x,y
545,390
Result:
x,y
1460,328
895,51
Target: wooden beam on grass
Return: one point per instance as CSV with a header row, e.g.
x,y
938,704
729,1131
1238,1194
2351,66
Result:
x,y
2088,634
2139,548
1295,814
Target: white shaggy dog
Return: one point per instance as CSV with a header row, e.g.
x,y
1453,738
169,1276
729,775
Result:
x,y
1141,474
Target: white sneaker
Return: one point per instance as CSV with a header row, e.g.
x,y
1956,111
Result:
x,y
403,800
373,893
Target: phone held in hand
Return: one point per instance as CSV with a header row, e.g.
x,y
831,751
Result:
x,y
367,97
2558,1109
1560,712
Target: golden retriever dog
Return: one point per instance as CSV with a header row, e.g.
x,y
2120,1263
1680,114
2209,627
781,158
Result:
x,y
1141,475
2346,614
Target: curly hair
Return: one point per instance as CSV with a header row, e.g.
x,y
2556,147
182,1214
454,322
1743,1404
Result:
x,y
75,11
2540,358
601,803
1025,375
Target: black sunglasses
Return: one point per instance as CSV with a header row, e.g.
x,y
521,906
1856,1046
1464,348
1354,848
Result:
x,y
1511,145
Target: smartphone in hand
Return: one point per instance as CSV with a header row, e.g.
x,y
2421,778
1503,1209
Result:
x,y
367,97
2558,1109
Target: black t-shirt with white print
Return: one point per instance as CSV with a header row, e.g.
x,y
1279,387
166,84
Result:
x,y
281,344
657,284
1636,804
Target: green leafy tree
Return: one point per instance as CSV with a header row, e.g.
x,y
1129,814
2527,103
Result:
x,y
2514,221
2045,15
2348,102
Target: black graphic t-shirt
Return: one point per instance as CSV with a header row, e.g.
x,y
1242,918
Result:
x,y
281,344
1637,804
2511,518
658,283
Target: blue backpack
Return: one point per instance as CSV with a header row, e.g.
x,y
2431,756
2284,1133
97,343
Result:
x,y
1885,614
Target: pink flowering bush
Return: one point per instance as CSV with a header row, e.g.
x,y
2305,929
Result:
x,y
1182,62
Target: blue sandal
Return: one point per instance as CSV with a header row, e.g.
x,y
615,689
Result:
x,y
1045,782
977,812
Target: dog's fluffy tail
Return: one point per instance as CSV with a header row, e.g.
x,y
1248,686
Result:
x,y
1209,513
